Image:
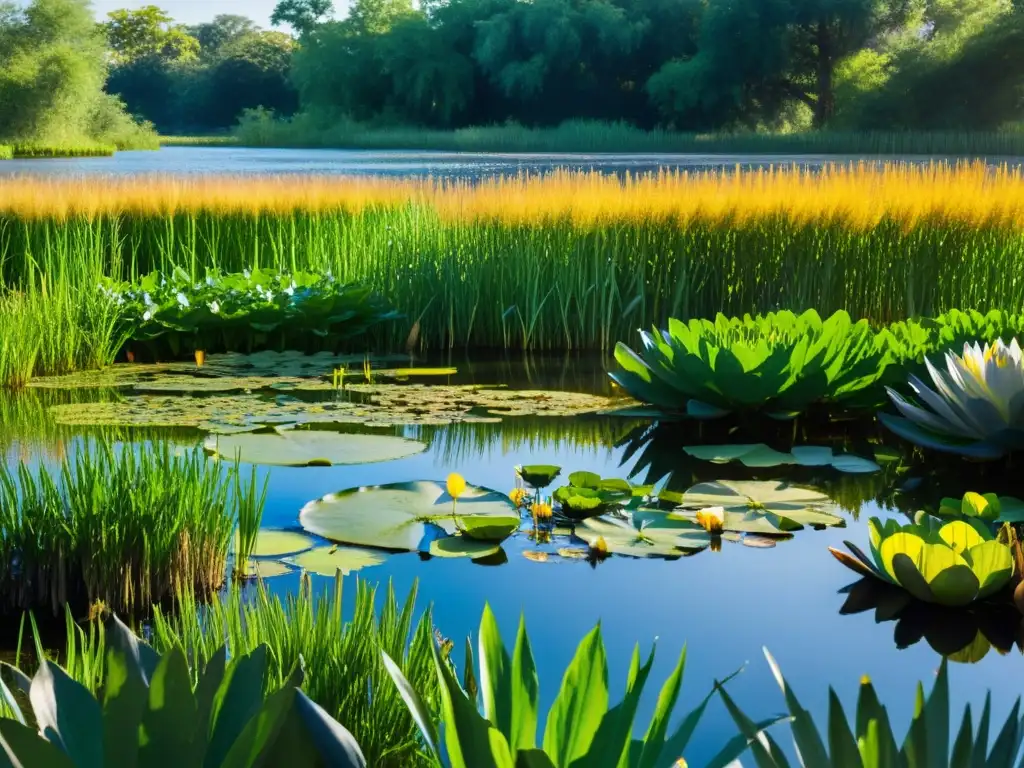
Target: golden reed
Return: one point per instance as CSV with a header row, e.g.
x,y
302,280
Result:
x,y
857,195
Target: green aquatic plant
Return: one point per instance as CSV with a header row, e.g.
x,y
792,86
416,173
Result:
x,y
953,563
126,525
588,494
155,710
762,455
869,740
414,517
292,447
537,476
238,311
581,729
977,406
780,364
767,506
989,508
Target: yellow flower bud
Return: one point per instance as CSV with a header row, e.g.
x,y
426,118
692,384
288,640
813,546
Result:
x,y
456,485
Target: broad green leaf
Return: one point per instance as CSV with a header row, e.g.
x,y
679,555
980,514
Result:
x,y
169,722
257,738
335,745
805,732
236,702
206,693
936,718
525,687
68,715
468,736
580,704
422,716
22,747
328,560
654,740
842,746
124,701
495,675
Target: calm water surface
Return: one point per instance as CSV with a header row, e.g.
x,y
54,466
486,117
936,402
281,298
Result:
x,y
725,606
238,160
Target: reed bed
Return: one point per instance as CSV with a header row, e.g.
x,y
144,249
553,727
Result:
x,y
42,151
595,136
126,527
562,261
344,671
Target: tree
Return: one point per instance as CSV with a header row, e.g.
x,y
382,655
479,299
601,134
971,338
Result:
x,y
52,68
301,15
225,28
148,31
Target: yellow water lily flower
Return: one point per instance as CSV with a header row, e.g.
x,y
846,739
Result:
x,y
456,485
518,496
599,547
541,511
200,358
712,520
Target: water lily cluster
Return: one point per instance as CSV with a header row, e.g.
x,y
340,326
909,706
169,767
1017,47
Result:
x,y
171,312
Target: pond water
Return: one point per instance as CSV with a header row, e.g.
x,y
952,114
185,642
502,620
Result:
x,y
405,163
724,605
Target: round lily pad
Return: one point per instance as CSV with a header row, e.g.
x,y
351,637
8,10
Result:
x,y
326,561
271,543
265,569
461,546
407,515
310,448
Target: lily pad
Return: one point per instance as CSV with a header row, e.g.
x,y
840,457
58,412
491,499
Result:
x,y
326,561
404,516
650,535
310,448
538,476
788,507
271,543
220,384
461,546
759,455
266,569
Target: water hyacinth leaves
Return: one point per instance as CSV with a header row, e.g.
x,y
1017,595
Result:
x,y
581,730
588,494
780,364
310,448
408,516
767,506
952,564
976,408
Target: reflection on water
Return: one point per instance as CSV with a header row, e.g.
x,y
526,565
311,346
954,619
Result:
x,y
447,165
725,604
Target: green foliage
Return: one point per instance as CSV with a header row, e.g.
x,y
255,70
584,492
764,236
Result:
x,y
869,740
588,494
147,32
125,526
52,71
6,152
949,563
229,312
780,363
581,728
344,671
301,15
151,713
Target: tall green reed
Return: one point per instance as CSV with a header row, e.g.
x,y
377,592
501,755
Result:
x,y
553,284
344,671
127,526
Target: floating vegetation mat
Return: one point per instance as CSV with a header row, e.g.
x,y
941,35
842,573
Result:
x,y
376,405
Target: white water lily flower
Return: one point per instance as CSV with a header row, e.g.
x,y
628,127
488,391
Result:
x,y
976,407
182,299
215,306
209,281
147,300
147,315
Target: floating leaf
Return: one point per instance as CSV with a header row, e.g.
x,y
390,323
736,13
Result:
x,y
326,561
271,543
309,448
461,546
266,569
403,515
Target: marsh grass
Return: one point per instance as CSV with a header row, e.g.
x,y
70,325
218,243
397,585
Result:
x,y
6,152
259,129
564,261
344,671
124,526
42,151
